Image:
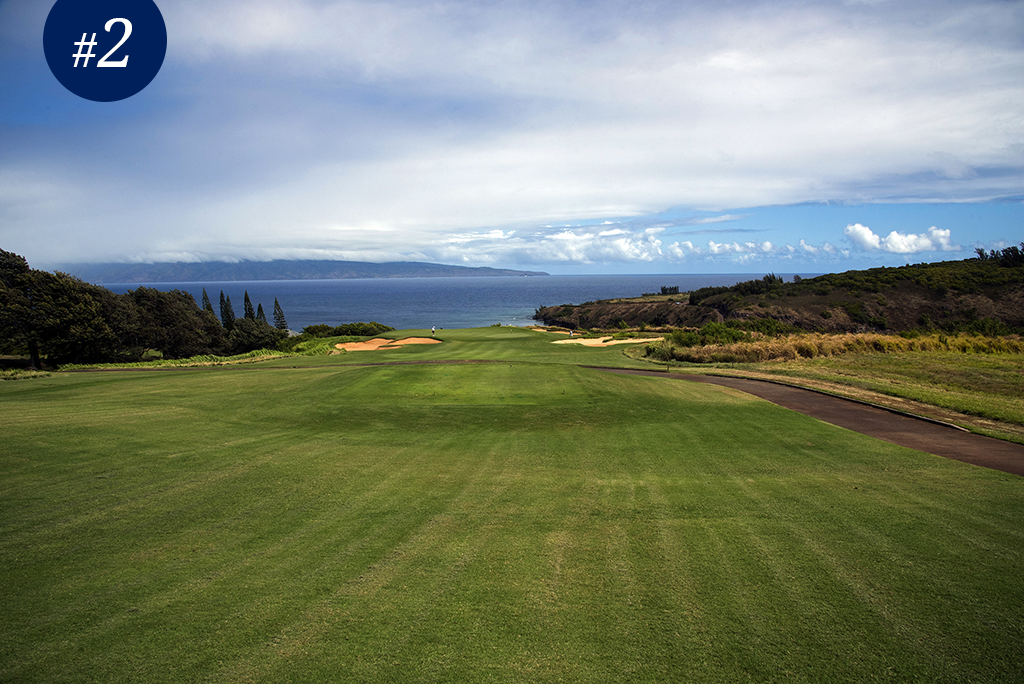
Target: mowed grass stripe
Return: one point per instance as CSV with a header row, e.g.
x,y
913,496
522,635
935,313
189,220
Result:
x,y
500,522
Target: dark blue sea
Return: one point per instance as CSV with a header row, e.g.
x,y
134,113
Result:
x,y
405,303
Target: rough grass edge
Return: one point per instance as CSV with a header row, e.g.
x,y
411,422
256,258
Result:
x,y
192,361
320,346
813,345
22,374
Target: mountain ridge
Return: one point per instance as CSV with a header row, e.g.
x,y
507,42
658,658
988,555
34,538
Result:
x,y
278,269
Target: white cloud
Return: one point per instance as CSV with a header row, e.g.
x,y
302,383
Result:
x,y
567,245
680,250
717,219
463,238
387,128
746,252
750,248
862,236
932,240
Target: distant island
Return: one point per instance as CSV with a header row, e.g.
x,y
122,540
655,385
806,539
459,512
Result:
x,y
279,269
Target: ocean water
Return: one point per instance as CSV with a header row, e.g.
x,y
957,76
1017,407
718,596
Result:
x,y
405,303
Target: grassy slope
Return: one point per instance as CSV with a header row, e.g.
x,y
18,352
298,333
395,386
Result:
x,y
981,392
484,522
968,295
986,385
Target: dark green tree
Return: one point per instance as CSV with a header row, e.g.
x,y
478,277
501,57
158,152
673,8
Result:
x,y
318,330
260,316
227,314
19,310
54,315
65,320
73,329
171,323
207,306
122,316
250,334
279,322
250,313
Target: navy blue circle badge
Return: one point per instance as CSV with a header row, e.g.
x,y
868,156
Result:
x,y
105,50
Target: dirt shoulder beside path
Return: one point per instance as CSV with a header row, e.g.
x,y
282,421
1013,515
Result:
x,y
928,436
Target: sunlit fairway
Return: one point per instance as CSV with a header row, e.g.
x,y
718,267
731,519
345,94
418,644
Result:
x,y
524,519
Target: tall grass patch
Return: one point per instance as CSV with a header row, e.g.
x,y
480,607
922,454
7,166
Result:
x,y
679,347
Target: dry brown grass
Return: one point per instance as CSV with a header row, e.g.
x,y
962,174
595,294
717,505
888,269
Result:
x,y
813,345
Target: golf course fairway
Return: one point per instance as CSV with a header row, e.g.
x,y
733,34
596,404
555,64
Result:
x,y
521,519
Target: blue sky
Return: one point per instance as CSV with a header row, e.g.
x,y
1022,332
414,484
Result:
x,y
570,137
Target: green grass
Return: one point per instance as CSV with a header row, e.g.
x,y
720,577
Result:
x,y
964,380
506,343
986,386
527,520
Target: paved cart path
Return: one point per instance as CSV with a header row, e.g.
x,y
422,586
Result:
x,y
904,430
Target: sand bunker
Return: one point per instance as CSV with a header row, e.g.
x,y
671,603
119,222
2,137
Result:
x,y
604,341
380,343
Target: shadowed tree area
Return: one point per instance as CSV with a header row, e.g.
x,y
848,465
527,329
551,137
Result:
x,y
59,318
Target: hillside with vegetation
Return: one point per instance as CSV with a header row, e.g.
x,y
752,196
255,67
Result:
x,y
984,294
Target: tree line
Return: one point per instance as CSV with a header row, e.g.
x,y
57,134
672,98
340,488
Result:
x,y
1011,256
749,287
63,319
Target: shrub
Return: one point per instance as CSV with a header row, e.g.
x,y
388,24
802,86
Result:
x,y
806,348
855,310
766,326
347,329
685,338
